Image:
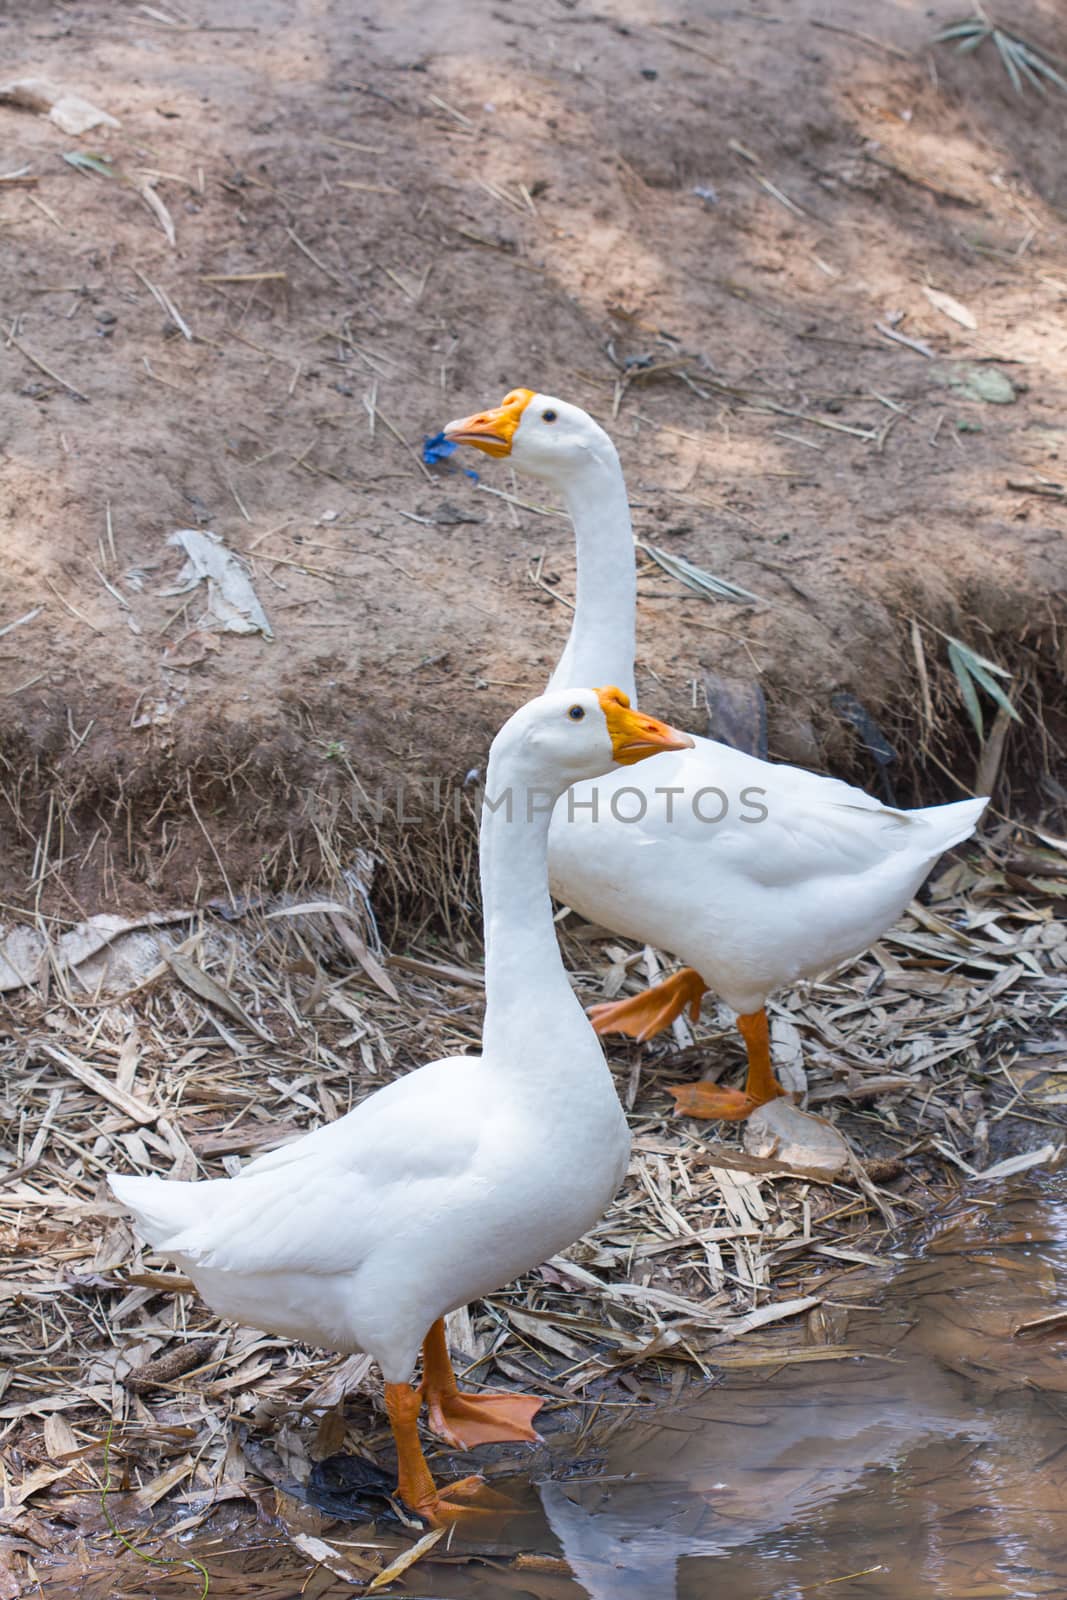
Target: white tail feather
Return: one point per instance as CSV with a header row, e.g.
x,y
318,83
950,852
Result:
x,y
162,1209
952,823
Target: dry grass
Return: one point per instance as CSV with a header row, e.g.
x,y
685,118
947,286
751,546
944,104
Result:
x,y
185,1047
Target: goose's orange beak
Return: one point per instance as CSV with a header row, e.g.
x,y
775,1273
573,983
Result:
x,y
492,431
633,735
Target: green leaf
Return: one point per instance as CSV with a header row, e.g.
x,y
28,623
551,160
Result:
x,y
1023,63
87,163
965,46
995,692
967,689
1028,72
981,383
971,669
961,30
1036,63
695,577
1004,50
974,659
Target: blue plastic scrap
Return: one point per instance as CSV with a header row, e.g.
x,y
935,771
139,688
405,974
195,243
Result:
x,y
438,448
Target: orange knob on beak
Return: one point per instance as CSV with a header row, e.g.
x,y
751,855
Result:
x,y
491,431
633,735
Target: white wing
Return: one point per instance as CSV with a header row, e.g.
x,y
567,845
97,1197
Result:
x,y
770,824
319,1204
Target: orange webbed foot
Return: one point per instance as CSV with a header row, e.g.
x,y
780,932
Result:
x,y
642,1016
467,1420
708,1102
466,1500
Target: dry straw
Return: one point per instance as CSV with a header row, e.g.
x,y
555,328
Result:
x,y
242,1028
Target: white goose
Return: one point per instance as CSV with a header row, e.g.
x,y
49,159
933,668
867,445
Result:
x,y
451,1181
755,874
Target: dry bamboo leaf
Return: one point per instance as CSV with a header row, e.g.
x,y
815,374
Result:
x,y
130,1107
344,1380
207,988
1055,1322
950,307
370,963
38,1479
157,1488
159,211
59,1438
343,1565
765,1314
1021,1163
546,1333
397,1568
799,1357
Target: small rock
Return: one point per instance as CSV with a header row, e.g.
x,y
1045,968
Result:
x,y
449,515
780,1131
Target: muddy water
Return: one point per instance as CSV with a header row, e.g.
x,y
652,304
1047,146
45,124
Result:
x,y
936,1469
932,1468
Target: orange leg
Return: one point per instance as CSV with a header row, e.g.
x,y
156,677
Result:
x,y
466,1420
644,1015
415,1486
707,1100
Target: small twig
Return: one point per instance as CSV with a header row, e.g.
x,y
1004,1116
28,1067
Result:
x,y
110,587
1051,491
924,681
534,575
527,505
865,38
35,361
891,423
210,840
902,338
313,258
72,609
28,616
240,503
244,277
777,194
399,437
9,694
443,105
167,306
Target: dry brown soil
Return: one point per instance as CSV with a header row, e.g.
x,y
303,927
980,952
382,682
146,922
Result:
x,y
677,210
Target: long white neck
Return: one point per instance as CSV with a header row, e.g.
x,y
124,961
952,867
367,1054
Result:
x,y
534,1025
600,648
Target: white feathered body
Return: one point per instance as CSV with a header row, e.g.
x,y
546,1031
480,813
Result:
x,y
436,1190
751,901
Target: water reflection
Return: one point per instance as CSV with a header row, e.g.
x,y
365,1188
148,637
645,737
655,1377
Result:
x,y
943,1469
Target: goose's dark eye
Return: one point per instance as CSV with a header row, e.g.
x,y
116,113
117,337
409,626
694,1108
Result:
x,y
576,713
548,416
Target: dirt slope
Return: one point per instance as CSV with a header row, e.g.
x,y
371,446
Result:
x,y
683,212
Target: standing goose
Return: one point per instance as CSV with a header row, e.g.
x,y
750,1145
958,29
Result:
x,y
452,1180
754,874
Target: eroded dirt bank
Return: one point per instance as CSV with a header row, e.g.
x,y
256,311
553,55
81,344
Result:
x,y
676,215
